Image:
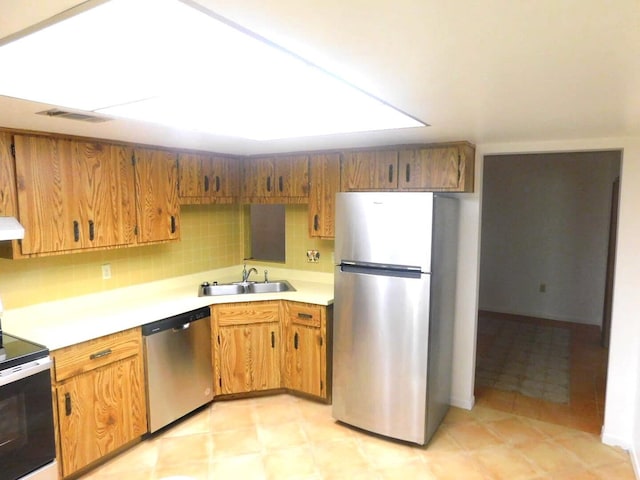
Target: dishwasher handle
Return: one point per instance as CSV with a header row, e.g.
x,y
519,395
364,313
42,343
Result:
x,y
181,327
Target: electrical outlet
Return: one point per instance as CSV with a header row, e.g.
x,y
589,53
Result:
x,y
106,271
313,256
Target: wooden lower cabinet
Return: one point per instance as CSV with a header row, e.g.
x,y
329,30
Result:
x,y
246,347
100,409
305,349
249,356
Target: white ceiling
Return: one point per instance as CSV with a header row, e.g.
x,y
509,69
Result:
x,y
482,71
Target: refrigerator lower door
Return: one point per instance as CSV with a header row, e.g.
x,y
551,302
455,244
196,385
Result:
x,y
381,328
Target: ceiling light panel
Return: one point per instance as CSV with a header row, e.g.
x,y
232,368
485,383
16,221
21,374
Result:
x,y
163,61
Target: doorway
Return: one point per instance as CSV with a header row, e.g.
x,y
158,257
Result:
x,y
546,221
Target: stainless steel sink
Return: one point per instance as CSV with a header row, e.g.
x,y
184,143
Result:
x,y
270,287
211,289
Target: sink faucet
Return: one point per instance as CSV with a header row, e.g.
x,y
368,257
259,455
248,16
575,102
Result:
x,y
246,273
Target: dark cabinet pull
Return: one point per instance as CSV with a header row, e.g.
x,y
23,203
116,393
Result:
x,y
295,340
76,231
320,340
217,183
408,173
67,404
173,224
100,354
268,183
308,316
280,184
206,183
390,173
273,340
91,230
316,223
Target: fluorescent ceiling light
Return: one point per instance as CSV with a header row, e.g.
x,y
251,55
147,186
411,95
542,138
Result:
x,y
164,61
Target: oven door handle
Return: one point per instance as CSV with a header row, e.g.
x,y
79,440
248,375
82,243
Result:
x,y
20,372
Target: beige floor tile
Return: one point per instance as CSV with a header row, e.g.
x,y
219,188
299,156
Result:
x,y
184,471
454,466
323,429
414,469
619,471
198,423
275,436
242,467
225,416
356,471
590,451
382,453
549,456
474,435
242,441
506,463
184,449
290,463
333,455
514,430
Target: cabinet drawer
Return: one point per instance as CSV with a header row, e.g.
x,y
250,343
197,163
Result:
x,y
246,313
87,356
304,314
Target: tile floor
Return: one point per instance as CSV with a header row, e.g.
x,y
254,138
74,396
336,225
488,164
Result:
x,y
285,437
587,374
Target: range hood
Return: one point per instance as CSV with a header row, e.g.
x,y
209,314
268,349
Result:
x,y
10,229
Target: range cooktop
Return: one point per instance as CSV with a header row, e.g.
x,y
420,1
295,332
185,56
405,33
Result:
x,y
16,351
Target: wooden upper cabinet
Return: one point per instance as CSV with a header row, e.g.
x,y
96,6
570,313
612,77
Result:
x,y
104,186
207,178
369,170
156,180
446,168
276,179
324,184
8,195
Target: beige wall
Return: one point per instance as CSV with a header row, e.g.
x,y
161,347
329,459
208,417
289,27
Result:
x,y
211,237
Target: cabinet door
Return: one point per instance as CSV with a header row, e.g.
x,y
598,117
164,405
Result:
x,y
370,170
325,183
258,177
100,411
190,178
8,196
248,358
291,176
221,177
304,359
430,169
103,181
156,174
45,194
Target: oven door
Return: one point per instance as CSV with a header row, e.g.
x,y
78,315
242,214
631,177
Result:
x,y
26,419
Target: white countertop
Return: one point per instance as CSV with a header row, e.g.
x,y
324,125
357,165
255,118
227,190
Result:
x,y
65,322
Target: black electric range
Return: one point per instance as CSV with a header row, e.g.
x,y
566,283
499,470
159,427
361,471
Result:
x,y
18,351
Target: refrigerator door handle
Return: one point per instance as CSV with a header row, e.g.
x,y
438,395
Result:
x,y
382,270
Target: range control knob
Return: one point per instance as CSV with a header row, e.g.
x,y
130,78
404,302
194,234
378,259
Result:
x,y
204,284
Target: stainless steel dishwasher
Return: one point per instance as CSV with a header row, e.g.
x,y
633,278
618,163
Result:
x,y
178,366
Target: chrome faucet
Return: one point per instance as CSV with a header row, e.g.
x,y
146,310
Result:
x,y
246,273
266,279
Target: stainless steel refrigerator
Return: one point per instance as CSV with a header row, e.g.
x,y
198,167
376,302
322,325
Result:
x,y
394,304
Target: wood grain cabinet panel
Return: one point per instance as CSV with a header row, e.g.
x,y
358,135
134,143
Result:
x,y
246,339
158,210
102,408
446,168
324,184
369,170
282,179
207,179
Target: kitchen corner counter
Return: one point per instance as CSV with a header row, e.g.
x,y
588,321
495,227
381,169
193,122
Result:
x,y
66,322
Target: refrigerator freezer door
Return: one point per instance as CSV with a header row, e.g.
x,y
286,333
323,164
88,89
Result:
x,y
373,227
380,353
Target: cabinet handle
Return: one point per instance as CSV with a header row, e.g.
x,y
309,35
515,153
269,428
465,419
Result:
x,y
390,173
316,223
320,340
273,340
280,184
307,316
408,173
76,231
217,183
67,404
100,354
268,183
206,183
173,224
91,230
295,340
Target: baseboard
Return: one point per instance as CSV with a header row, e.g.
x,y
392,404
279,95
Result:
x,y
464,403
635,461
615,441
